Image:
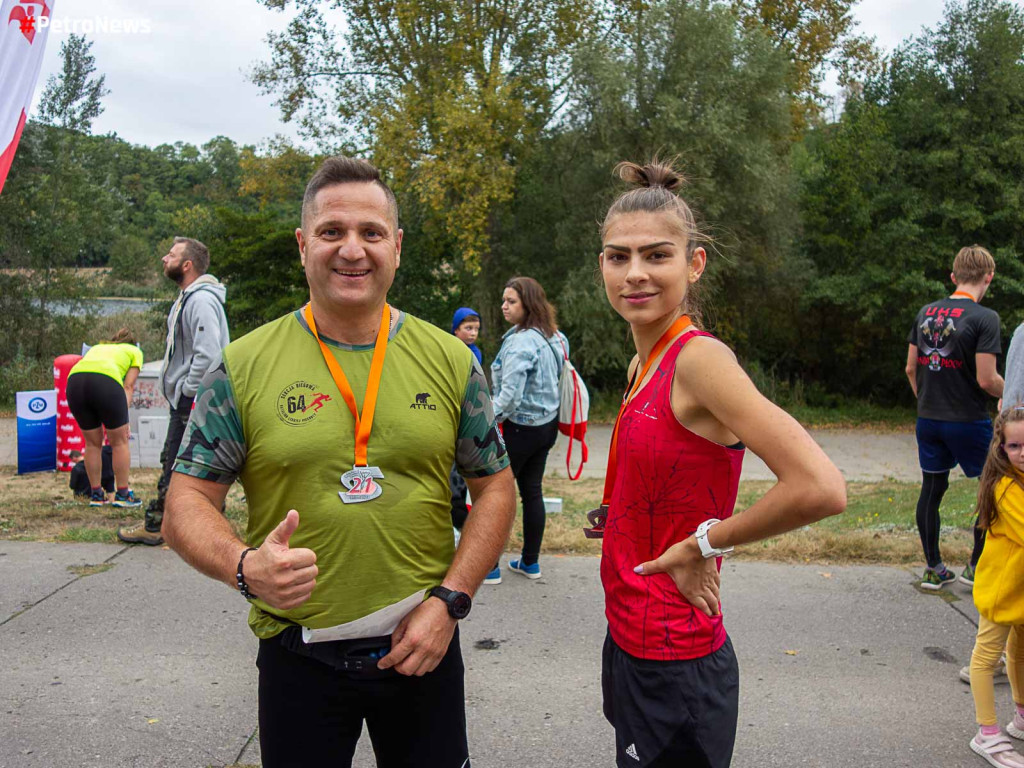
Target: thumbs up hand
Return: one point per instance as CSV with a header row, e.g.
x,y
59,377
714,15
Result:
x,y
280,576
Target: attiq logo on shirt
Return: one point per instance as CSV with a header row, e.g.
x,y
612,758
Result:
x,y
422,404
300,402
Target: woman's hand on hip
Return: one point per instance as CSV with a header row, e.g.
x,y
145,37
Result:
x,y
697,579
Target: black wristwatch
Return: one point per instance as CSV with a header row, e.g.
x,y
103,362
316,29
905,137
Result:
x,y
459,603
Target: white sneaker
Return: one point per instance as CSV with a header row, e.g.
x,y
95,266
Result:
x,y
1016,726
998,674
997,750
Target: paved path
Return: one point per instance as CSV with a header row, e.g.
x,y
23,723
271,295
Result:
x,y
150,664
860,454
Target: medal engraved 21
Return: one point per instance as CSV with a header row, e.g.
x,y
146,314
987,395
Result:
x,y
361,484
597,517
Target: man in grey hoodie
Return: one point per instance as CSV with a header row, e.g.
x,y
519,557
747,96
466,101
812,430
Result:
x,y
197,330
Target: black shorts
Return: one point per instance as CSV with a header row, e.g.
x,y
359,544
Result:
x,y
671,713
96,399
312,712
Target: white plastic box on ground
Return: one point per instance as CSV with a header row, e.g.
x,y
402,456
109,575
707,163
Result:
x,y
148,417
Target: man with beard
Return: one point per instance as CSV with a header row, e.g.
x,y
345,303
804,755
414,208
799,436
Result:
x,y
197,330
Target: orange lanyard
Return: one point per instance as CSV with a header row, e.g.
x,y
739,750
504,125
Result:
x,y
965,294
364,423
674,330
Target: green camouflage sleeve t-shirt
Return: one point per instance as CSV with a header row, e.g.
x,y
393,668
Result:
x,y
270,415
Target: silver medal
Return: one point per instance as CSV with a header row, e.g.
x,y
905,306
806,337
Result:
x,y
361,484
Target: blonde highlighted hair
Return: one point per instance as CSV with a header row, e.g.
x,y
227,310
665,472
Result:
x,y
972,264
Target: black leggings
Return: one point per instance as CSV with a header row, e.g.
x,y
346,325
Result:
x,y
96,400
528,453
933,488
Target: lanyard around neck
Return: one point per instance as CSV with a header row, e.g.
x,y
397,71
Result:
x,y
364,423
674,330
965,294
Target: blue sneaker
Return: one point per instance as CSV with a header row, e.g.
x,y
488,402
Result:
x,y
127,499
529,571
494,577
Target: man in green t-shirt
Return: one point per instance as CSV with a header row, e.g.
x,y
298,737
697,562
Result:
x,y
342,420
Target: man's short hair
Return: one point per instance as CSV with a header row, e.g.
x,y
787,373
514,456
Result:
x,y
972,264
345,170
195,252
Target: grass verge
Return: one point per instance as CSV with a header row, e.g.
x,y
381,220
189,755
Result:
x,y
41,507
878,527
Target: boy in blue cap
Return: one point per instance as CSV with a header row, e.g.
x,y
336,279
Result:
x,y
466,327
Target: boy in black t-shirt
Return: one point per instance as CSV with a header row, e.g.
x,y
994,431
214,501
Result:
x,y
951,365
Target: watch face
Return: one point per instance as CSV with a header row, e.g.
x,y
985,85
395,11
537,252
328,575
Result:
x,y
459,604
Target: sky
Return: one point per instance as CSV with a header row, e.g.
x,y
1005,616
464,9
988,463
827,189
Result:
x,y
185,78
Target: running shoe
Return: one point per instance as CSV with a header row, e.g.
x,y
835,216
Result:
x,y
494,577
997,750
931,580
97,499
1016,726
126,499
529,571
967,575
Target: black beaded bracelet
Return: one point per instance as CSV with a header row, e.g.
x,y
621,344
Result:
x,y
242,586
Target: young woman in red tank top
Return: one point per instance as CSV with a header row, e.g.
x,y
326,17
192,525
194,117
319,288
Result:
x,y
670,676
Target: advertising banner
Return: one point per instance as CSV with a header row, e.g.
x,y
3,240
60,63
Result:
x,y
69,435
23,36
37,431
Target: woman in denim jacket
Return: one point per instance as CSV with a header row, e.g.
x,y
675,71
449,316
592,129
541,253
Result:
x,y
524,378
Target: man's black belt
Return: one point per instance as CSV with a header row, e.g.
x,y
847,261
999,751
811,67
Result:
x,y
356,657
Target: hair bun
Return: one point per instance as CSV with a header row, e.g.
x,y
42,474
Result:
x,y
654,174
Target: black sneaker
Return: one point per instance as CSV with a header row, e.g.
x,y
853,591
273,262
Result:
x,y
98,498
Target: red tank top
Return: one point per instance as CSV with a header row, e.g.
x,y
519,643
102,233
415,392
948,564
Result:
x,y
667,482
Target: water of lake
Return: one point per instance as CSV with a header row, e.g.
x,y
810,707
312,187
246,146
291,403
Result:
x,y
103,307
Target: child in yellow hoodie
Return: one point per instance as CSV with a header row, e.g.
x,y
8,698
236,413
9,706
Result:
x,y
999,590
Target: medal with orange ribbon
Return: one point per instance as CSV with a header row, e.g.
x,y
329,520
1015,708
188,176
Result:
x,y
598,517
360,481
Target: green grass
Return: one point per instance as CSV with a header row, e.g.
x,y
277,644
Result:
x,y
604,405
853,414
89,570
885,507
88,535
878,526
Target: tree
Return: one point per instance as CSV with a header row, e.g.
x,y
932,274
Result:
x,y
814,35
132,260
680,78
925,162
53,208
258,258
444,93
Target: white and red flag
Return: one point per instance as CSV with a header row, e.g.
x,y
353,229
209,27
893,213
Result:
x,y
22,40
